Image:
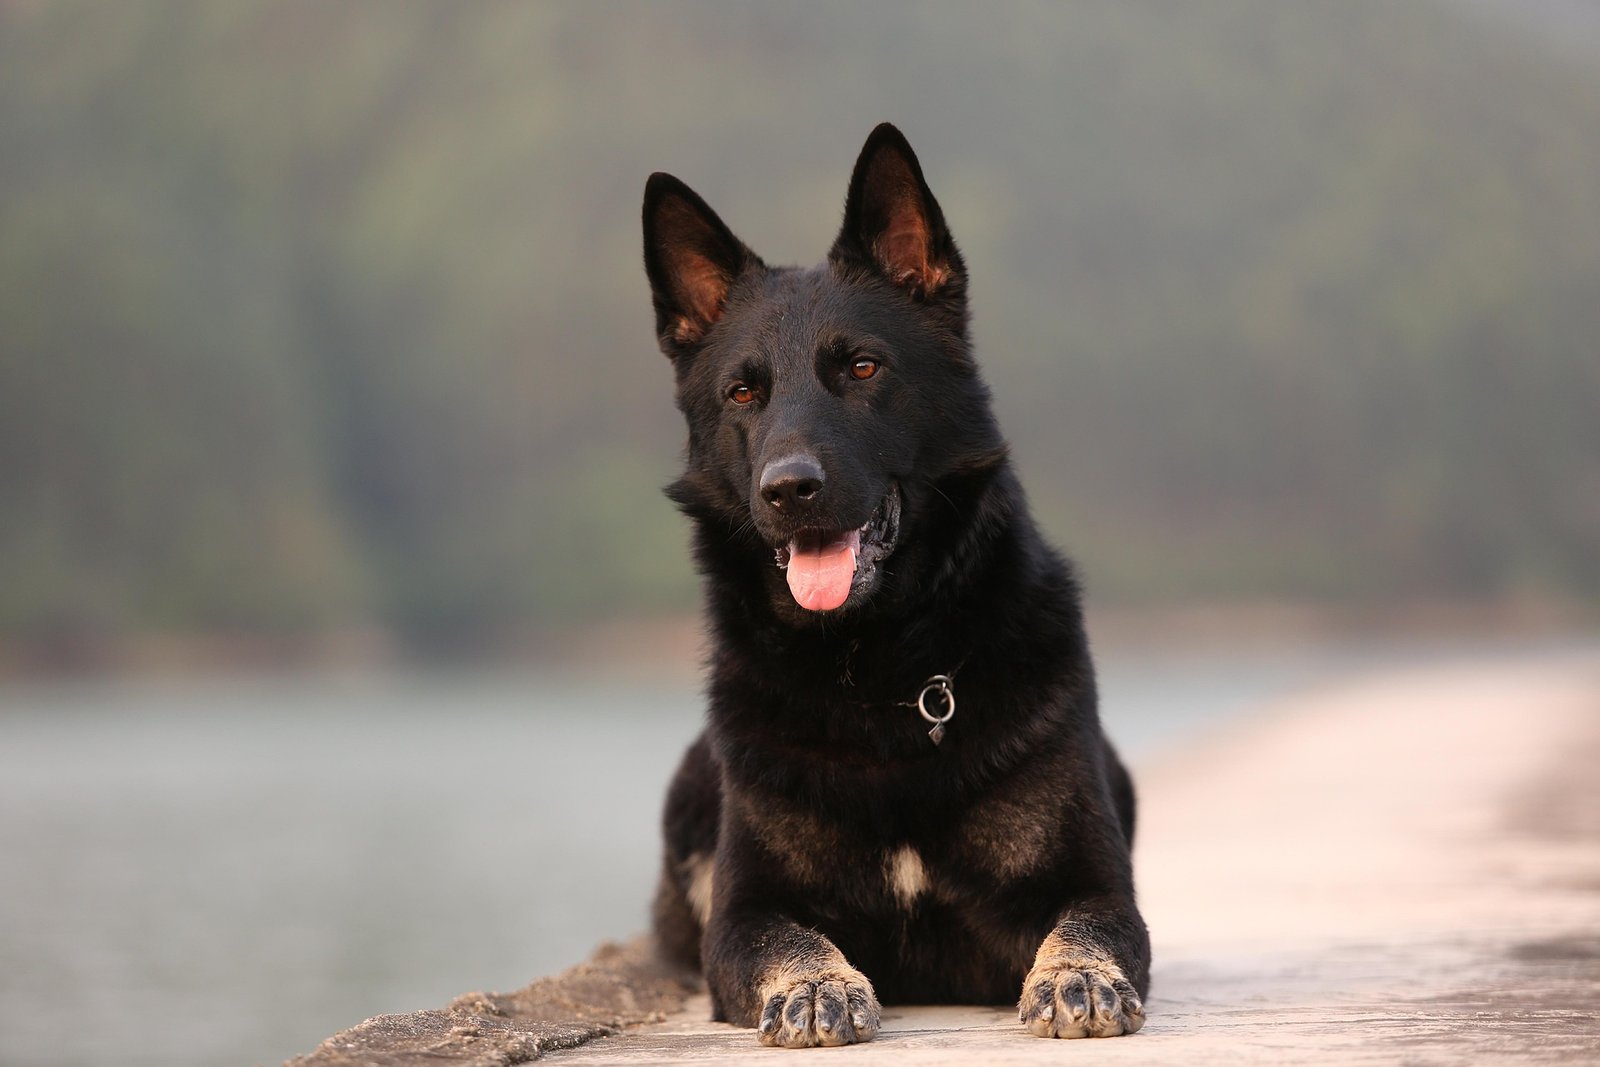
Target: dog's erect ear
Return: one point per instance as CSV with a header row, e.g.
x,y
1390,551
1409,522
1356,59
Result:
x,y
892,221
692,260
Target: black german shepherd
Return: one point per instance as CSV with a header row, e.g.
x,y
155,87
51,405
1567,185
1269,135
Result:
x,y
841,832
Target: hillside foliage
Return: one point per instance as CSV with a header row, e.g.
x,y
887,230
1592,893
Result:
x,y
316,314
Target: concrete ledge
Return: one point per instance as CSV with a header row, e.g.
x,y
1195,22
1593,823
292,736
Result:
x,y
619,986
1404,869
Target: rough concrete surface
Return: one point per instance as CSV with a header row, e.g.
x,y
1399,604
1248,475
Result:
x,y
621,985
1403,870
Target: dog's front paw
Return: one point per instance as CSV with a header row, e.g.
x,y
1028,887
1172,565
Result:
x,y
1079,997
835,1008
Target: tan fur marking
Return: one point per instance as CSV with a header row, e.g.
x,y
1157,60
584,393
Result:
x,y
1057,951
807,847
686,332
700,871
790,973
1005,835
907,876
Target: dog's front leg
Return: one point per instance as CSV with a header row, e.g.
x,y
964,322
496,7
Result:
x,y
1088,975
766,963
789,982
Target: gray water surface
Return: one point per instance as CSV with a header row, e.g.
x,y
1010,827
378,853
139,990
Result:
x,y
227,871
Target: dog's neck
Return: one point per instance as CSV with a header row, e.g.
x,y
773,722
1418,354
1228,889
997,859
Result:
x,y
885,652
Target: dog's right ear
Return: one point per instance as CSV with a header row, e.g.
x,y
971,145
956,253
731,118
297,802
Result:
x,y
692,260
892,222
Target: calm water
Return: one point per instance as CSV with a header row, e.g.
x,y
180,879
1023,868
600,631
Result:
x,y
225,872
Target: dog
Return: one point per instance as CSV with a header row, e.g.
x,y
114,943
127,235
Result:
x,y
903,793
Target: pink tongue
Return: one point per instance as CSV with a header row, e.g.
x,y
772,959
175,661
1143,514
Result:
x,y
820,575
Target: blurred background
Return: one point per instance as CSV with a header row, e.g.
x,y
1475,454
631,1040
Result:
x,y
346,641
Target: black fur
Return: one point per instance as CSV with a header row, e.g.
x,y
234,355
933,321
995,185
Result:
x,y
847,854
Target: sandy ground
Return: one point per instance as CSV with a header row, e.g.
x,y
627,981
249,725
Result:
x,y
1402,870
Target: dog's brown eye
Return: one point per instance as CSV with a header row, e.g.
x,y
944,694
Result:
x,y
862,369
741,394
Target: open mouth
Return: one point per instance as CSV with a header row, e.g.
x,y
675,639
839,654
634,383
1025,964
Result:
x,y
825,566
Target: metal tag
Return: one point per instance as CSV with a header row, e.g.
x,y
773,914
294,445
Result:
x,y
941,685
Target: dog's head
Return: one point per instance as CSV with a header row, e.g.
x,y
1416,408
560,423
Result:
x,y
828,408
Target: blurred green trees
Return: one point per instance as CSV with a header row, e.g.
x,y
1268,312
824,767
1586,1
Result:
x,y
314,314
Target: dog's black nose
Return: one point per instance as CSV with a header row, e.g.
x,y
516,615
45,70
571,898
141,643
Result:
x,y
792,483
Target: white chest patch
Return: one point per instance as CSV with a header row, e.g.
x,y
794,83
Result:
x,y
908,878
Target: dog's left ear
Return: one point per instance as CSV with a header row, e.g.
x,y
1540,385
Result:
x,y
893,223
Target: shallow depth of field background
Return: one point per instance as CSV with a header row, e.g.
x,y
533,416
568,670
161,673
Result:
x,y
346,640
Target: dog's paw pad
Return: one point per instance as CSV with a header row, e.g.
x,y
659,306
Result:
x,y
1079,998
820,1011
